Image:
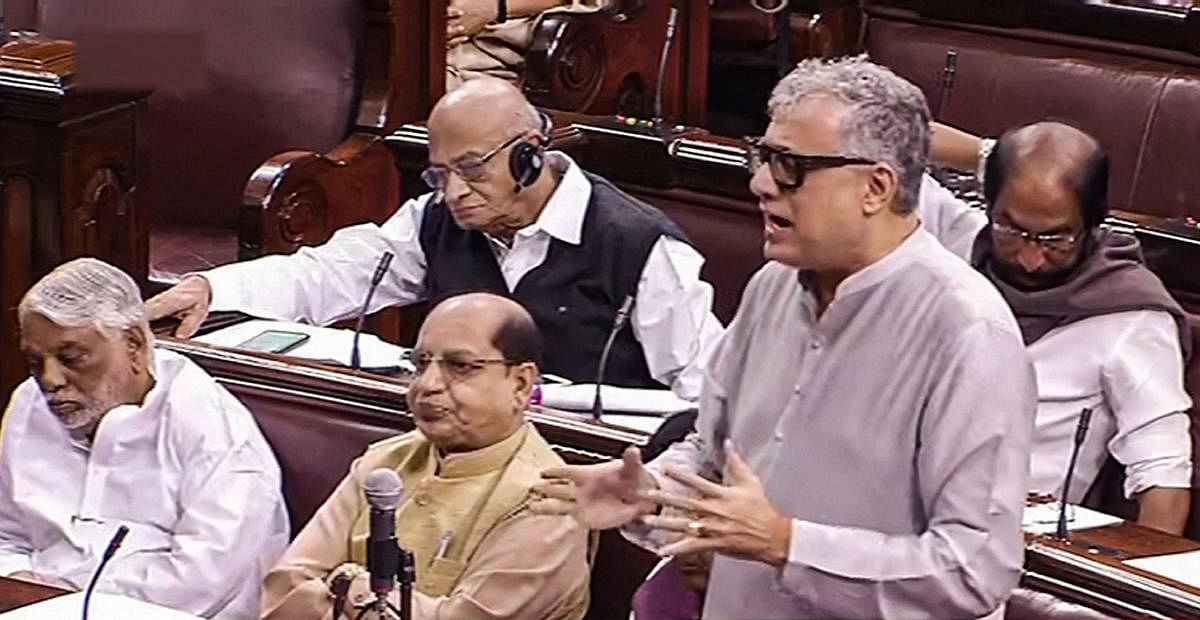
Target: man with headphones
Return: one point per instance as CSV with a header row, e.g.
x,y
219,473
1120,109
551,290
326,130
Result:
x,y
1102,331
508,217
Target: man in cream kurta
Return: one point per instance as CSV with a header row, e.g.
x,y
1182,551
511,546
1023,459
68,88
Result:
x,y
467,470
85,450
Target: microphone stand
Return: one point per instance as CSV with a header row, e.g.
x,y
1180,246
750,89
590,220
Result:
x,y
113,545
1085,417
662,68
618,323
406,575
376,278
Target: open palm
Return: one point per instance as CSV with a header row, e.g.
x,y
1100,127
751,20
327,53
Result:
x,y
605,495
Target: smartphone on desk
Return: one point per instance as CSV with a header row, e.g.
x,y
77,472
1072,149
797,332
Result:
x,y
274,341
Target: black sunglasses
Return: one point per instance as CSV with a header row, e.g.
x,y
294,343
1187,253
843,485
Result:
x,y
789,169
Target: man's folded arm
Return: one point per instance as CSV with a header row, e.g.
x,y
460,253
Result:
x,y
231,516
975,437
15,549
327,283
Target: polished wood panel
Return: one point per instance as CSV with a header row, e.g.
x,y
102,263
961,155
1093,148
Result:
x,y
15,593
70,162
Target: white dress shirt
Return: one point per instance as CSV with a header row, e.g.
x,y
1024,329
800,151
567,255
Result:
x,y
188,472
1127,367
672,316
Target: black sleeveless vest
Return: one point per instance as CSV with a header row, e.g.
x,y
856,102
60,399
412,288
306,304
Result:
x,y
575,293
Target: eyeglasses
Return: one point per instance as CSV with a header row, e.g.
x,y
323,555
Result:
x,y
470,169
1056,243
789,169
454,367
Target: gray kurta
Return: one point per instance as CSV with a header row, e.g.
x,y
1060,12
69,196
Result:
x,y
895,431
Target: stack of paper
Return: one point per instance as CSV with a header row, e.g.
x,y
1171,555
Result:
x,y
1181,567
1043,518
324,343
103,607
578,397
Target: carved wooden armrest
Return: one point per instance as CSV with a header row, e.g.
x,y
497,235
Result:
x,y
299,198
565,64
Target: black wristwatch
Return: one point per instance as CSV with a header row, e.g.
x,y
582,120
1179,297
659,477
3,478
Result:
x,y
501,11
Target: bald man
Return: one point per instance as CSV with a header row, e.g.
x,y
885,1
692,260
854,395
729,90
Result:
x,y
467,471
1100,328
509,218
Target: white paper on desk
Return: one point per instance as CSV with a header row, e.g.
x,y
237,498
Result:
x,y
1043,518
1182,567
324,343
578,397
103,607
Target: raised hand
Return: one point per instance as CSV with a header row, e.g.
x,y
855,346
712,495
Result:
x,y
735,519
599,496
466,18
187,301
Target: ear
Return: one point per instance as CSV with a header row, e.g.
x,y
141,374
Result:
x,y
137,346
882,186
526,376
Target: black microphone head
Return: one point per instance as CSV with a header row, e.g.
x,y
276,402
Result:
x,y
383,489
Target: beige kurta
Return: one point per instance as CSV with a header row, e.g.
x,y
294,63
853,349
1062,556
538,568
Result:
x,y
499,49
499,561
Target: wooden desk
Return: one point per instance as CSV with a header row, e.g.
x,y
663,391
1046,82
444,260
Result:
x,y
15,593
1088,570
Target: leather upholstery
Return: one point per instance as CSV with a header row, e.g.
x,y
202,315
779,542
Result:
x,y
275,76
1139,103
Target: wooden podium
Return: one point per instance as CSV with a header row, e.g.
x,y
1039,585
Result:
x,y
69,164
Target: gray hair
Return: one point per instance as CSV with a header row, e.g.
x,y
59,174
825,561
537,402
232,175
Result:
x,y
888,120
87,292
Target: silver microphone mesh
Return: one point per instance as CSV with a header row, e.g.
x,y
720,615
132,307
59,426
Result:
x,y
383,489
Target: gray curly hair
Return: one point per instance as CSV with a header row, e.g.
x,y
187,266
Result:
x,y
87,292
888,120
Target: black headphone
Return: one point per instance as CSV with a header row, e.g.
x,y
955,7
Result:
x,y
527,157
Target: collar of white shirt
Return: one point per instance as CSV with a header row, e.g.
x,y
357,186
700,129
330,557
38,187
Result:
x,y
562,217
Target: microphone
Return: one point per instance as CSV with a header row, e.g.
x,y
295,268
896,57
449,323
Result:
x,y
1085,417
618,323
662,67
113,545
948,72
380,269
383,489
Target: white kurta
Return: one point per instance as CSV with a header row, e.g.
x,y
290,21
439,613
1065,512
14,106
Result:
x,y
188,472
1126,366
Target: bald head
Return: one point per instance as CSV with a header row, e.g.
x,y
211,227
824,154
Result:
x,y
484,106
513,332
1054,156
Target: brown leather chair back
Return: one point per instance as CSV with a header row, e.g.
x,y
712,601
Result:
x,y
275,76
1139,102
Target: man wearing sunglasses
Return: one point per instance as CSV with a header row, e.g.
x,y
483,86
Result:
x,y
467,469
863,437
507,217
1101,329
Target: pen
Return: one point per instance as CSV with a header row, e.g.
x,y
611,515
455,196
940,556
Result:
x,y
443,545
